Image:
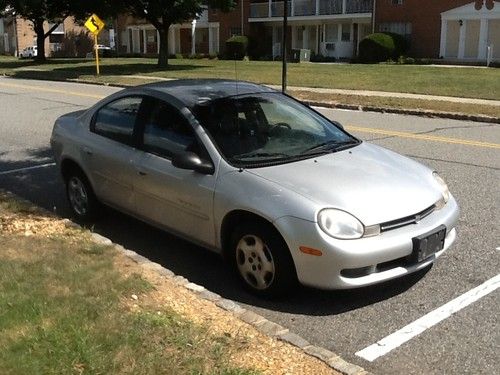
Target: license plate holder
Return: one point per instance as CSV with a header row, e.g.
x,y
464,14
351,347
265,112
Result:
x,y
428,244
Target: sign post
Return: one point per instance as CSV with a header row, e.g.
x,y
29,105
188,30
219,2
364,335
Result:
x,y
95,26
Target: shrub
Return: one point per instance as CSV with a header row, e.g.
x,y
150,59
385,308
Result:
x,y
382,47
236,47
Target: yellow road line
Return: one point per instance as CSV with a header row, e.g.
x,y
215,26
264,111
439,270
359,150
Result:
x,y
46,89
423,137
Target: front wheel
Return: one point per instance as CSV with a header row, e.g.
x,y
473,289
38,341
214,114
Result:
x,y
262,260
82,201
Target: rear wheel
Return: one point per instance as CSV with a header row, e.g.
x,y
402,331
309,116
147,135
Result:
x,y
81,197
262,260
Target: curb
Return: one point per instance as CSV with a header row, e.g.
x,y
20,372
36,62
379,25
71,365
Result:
x,y
262,324
332,105
402,111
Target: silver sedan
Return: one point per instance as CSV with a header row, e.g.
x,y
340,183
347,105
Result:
x,y
283,193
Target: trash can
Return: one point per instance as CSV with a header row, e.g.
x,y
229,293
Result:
x,y
301,55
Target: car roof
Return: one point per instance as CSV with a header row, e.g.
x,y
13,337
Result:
x,y
197,91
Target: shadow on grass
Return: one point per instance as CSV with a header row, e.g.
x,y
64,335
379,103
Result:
x,y
66,69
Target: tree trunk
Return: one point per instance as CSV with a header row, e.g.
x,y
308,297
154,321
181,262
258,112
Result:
x,y
40,40
163,55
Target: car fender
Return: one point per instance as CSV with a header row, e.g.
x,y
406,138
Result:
x,y
238,190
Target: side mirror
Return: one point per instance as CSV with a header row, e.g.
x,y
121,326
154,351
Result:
x,y
191,161
338,124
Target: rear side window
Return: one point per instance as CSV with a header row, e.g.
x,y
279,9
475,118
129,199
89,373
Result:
x,y
166,131
116,120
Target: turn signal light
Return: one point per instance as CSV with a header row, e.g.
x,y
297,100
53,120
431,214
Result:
x,y
310,251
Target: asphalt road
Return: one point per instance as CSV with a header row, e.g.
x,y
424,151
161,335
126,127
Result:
x,y
343,321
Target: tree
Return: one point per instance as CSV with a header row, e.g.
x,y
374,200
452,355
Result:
x,y
39,11
52,11
164,13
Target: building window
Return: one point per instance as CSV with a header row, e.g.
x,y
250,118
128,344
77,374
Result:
x,y
346,32
401,28
331,32
397,2
235,31
59,29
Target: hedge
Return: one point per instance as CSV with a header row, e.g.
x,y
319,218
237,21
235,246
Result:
x,y
382,47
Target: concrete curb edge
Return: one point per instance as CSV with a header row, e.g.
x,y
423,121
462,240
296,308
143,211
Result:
x,y
262,324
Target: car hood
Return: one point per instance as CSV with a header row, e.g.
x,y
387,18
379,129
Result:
x,y
372,183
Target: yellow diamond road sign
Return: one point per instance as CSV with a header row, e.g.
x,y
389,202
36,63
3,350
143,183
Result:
x,y
94,24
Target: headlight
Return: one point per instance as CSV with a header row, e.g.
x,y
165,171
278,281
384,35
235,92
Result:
x,y
340,224
444,190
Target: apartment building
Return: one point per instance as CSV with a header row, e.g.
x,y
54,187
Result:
x,y
330,28
461,30
204,35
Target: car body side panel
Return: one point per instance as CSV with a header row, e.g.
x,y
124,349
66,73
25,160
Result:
x,y
179,199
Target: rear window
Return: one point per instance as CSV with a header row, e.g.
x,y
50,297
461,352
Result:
x,y
116,120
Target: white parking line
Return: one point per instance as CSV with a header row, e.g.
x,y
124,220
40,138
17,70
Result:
x,y
398,338
27,168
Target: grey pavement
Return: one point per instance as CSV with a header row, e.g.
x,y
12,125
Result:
x,y
341,321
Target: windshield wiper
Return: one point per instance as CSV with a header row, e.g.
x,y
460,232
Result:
x,y
261,155
329,146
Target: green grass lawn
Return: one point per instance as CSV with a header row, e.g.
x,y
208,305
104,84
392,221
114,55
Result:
x,y
461,81
64,310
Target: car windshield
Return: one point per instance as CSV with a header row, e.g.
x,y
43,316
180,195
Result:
x,y
258,129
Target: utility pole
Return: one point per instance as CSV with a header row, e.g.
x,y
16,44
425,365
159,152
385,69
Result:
x,y
283,48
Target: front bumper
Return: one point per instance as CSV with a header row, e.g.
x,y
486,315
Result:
x,y
373,259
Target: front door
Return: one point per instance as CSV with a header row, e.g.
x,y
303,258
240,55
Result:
x,y
177,199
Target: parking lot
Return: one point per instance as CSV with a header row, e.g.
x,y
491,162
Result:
x,y
455,303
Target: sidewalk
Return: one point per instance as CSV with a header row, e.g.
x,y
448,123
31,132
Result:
x,y
385,94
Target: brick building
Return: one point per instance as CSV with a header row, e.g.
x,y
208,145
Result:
x,y
69,39
205,35
451,29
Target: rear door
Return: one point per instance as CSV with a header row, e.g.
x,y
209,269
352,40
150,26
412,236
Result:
x,y
177,199
112,156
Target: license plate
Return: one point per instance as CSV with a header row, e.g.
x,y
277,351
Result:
x,y
428,244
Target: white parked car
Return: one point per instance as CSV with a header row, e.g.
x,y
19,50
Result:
x,y
29,52
281,191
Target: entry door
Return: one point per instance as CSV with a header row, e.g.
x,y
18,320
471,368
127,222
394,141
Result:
x,y
177,199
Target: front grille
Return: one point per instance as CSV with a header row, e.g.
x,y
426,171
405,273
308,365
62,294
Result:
x,y
412,219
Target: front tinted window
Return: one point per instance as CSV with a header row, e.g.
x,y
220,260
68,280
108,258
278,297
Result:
x,y
166,131
116,120
261,128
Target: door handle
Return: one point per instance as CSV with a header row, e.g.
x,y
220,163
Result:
x,y
87,150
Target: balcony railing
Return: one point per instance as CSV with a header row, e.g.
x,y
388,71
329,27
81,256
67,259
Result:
x,y
308,8
305,7
277,8
359,6
330,7
259,10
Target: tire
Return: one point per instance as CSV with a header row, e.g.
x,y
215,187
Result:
x,y
262,260
81,198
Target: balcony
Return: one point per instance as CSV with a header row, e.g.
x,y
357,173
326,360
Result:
x,y
301,8
277,8
330,7
359,6
305,7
